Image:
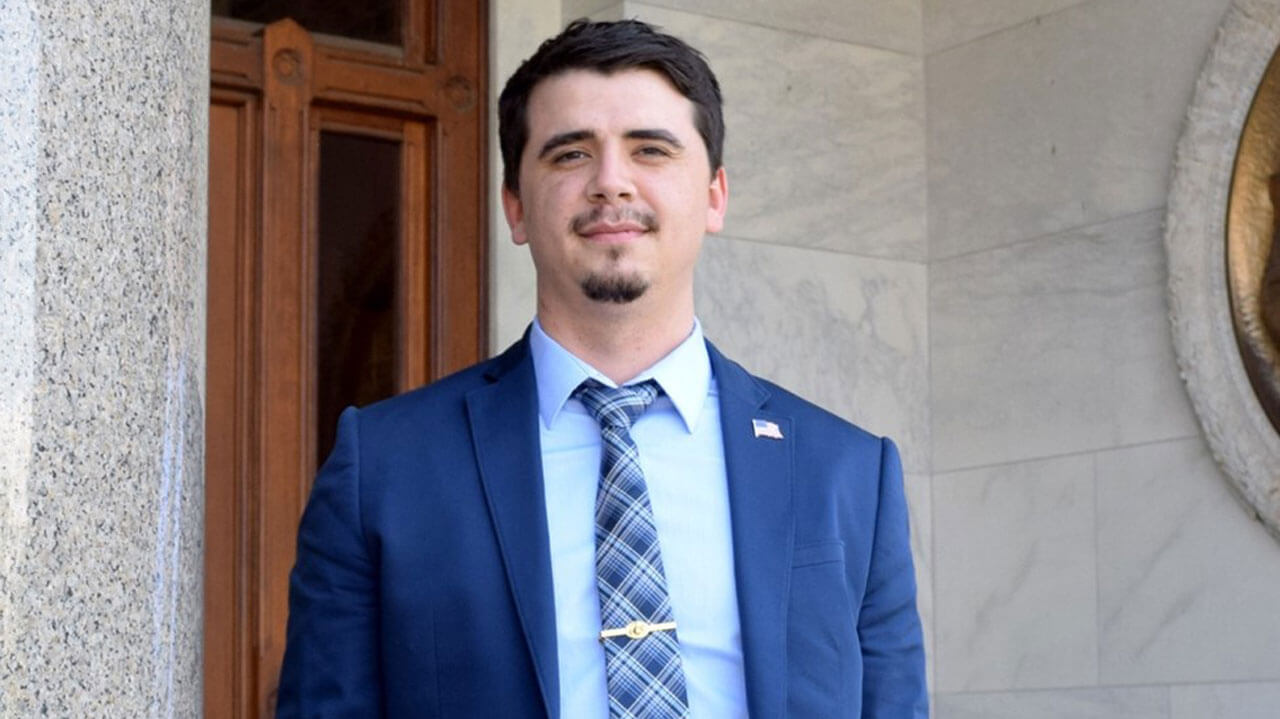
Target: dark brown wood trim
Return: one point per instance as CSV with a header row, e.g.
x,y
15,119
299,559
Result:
x,y
230,511
283,369
460,325
234,54
416,297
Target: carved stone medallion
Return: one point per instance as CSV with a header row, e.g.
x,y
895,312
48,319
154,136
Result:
x,y
1224,278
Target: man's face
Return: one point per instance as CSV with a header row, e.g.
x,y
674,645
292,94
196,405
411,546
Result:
x,y
616,191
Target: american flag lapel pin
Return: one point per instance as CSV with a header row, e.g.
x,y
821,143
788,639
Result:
x,y
765,428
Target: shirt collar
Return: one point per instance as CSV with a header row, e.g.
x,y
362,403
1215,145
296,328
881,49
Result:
x,y
684,374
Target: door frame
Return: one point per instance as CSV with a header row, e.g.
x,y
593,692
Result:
x,y
283,85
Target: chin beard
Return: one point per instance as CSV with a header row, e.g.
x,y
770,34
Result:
x,y
618,289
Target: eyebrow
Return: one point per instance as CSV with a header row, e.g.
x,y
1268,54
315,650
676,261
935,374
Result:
x,y
568,138
564,138
656,134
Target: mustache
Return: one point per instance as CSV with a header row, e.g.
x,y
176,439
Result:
x,y
613,216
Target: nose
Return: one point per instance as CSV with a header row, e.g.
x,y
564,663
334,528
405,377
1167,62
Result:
x,y
611,181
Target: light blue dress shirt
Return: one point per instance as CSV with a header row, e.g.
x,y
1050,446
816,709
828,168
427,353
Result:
x,y
682,454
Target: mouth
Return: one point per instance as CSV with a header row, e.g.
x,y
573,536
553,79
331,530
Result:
x,y
611,234
623,227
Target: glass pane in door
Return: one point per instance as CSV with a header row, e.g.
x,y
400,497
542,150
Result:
x,y
372,20
357,337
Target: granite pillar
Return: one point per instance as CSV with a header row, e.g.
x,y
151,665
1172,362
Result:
x,y
103,144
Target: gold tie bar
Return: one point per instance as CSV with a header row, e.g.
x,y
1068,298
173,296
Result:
x,y
638,629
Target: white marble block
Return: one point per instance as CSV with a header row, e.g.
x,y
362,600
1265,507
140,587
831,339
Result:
x,y
1260,700
948,23
1060,123
1014,576
1188,586
574,9
919,491
889,24
1085,703
1052,346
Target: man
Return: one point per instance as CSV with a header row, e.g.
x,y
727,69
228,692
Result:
x,y
610,519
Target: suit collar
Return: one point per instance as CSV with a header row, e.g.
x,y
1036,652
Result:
x,y
759,471
510,463
684,374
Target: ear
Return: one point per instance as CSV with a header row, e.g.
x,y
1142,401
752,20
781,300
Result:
x,y
717,201
514,210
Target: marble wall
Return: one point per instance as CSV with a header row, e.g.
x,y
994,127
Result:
x,y
1091,561
103,140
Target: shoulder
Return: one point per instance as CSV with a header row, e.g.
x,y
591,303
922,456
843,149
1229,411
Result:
x,y
815,421
818,421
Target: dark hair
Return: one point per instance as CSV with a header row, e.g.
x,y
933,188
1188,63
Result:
x,y
608,47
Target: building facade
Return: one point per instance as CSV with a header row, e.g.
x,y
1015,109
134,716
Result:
x,y
945,224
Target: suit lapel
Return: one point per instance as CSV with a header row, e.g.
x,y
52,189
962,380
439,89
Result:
x,y
760,505
504,430
759,475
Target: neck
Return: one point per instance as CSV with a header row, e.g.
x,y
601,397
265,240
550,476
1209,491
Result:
x,y
619,343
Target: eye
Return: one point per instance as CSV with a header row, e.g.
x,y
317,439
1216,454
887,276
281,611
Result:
x,y
568,156
653,151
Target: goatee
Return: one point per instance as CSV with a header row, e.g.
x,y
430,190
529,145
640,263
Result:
x,y
618,289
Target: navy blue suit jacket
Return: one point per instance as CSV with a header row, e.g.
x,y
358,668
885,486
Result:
x,y
423,581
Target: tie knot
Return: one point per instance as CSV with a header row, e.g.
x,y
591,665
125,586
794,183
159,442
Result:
x,y
616,406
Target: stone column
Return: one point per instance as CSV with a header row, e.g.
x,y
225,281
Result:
x,y
103,144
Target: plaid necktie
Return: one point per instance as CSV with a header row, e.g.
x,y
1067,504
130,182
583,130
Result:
x,y
642,660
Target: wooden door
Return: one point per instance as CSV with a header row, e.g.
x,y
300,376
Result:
x,y
346,263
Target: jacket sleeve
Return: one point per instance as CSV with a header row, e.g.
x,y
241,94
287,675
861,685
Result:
x,y
331,661
893,683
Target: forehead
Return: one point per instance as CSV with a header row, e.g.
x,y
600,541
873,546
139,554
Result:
x,y
607,103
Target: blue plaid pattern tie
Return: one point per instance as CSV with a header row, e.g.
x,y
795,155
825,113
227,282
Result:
x,y
645,678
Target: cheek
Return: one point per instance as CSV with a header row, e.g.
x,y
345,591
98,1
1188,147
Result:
x,y
692,207
554,204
